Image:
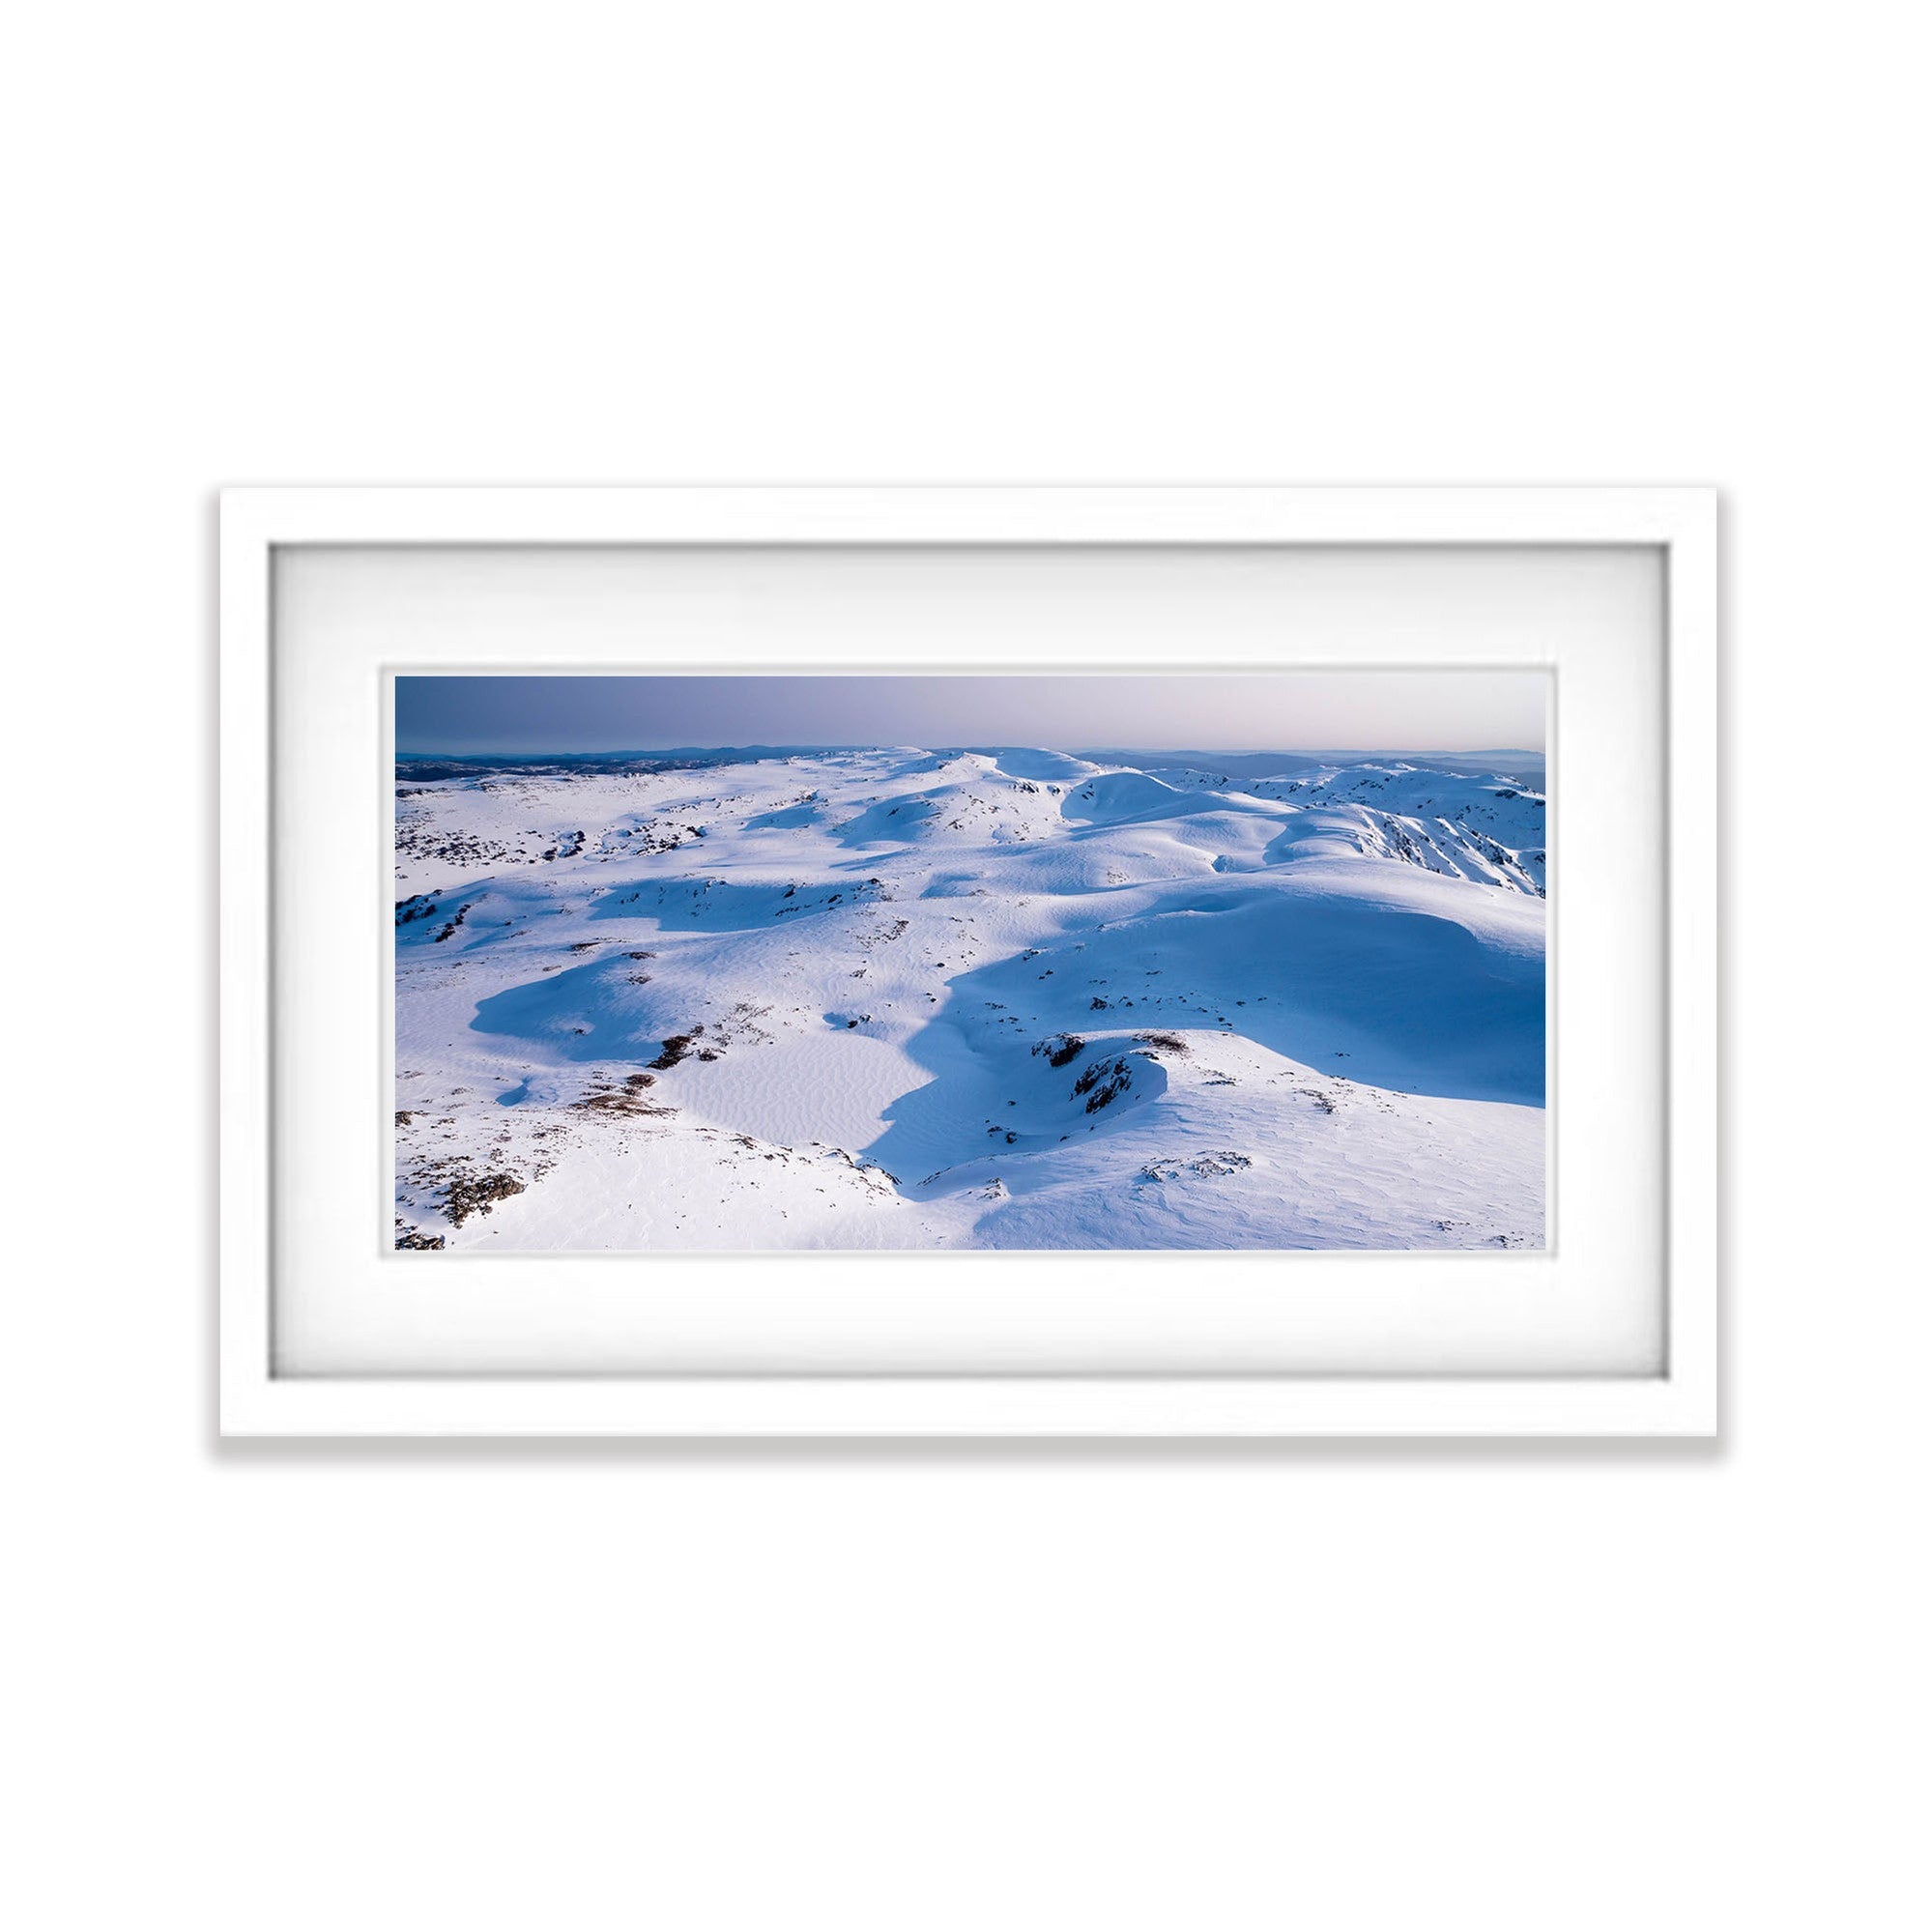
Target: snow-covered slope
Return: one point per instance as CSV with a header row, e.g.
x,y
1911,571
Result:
x,y
1014,997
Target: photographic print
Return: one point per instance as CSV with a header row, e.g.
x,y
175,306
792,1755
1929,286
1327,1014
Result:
x,y
773,960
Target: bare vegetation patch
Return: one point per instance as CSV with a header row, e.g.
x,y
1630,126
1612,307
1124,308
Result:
x,y
1062,1048
1103,1083
677,1048
1215,1164
624,1097
463,1188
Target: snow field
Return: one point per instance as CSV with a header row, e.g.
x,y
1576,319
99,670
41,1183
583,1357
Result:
x,y
906,999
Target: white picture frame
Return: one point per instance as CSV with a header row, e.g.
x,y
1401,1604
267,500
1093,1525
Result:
x,y
1676,1397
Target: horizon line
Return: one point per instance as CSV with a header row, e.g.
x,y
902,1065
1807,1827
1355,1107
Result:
x,y
985,746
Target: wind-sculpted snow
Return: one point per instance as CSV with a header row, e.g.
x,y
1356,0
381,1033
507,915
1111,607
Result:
x,y
925,997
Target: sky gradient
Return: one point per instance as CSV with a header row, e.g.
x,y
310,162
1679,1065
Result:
x,y
1290,711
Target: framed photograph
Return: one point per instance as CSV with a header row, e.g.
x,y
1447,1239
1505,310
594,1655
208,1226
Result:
x,y
969,963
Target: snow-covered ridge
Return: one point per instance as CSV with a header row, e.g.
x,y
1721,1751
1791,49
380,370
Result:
x,y
1014,997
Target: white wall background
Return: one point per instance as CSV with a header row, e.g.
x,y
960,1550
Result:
x,y
605,1687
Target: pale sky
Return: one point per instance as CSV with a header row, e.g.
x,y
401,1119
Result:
x,y
1452,711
